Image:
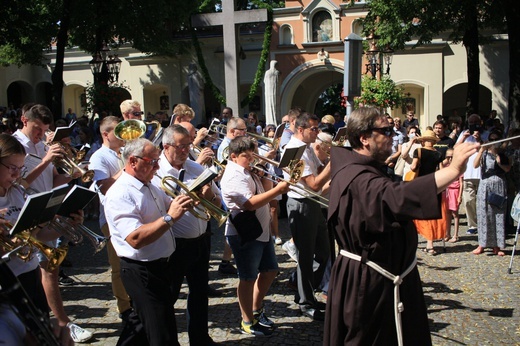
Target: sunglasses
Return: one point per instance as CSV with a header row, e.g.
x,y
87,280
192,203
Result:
x,y
151,162
137,114
387,131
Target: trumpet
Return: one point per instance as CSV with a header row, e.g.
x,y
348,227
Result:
x,y
295,171
70,160
24,250
76,233
204,211
131,129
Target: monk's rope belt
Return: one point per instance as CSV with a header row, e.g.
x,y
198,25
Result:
x,y
396,279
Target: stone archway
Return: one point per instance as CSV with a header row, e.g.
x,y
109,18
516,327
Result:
x,y
19,93
454,100
304,84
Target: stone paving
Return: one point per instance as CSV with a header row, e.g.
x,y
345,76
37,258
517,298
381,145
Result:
x,y
471,300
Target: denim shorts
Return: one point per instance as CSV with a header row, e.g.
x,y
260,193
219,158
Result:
x,y
252,257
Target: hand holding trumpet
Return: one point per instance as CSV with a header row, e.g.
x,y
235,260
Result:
x,y
180,205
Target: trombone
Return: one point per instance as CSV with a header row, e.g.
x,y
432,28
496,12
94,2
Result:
x,y
295,171
206,209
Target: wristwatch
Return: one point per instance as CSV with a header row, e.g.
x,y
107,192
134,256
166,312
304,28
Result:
x,y
168,219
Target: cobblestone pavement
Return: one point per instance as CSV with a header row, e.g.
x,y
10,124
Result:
x,y
471,300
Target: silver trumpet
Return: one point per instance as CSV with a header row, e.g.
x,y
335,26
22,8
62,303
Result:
x,y
77,232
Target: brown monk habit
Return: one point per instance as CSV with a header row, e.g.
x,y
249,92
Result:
x,y
372,217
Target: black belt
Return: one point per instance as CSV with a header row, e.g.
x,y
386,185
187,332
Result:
x,y
189,240
159,260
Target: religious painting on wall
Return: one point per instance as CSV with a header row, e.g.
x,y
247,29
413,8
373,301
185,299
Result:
x,y
408,105
165,101
322,27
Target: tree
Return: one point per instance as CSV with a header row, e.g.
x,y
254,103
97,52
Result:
x,y
28,28
397,22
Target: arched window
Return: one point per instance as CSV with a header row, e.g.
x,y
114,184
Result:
x,y
286,35
322,27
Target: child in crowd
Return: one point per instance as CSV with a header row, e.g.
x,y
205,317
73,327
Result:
x,y
453,200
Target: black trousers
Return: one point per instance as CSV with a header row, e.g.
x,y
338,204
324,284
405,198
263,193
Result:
x,y
191,261
148,285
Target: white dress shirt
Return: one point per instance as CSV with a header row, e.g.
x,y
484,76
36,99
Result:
x,y
188,226
44,182
311,167
105,164
238,186
129,204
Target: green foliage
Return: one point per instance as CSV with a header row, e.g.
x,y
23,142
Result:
x,y
382,93
106,97
330,100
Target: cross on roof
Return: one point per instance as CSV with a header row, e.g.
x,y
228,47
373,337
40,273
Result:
x,y
229,19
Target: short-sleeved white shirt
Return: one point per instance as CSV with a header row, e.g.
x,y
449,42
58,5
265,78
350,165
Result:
x,y
129,204
105,164
471,172
188,226
44,182
223,145
13,202
238,186
311,167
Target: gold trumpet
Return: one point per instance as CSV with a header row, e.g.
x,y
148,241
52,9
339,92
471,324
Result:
x,y
206,209
131,129
295,171
70,160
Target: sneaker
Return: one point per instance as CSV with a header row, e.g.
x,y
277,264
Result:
x,y
291,250
227,268
471,231
278,241
78,334
65,280
255,329
260,316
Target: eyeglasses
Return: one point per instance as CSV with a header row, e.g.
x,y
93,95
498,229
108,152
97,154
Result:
x,y
449,157
240,129
313,128
151,162
137,114
180,146
387,131
14,169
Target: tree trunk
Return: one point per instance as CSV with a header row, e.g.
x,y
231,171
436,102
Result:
x,y
470,41
512,18
57,73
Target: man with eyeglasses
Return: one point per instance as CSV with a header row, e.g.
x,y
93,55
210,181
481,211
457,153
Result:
x,y
307,224
191,256
376,274
140,217
131,109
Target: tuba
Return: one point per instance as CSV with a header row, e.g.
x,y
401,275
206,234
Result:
x,y
131,129
204,211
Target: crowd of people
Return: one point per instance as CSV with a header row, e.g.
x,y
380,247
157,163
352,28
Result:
x,y
349,195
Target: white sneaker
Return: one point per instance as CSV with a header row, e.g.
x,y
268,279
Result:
x,y
278,241
291,250
78,334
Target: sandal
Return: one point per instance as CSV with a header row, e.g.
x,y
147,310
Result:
x,y
447,238
453,239
430,251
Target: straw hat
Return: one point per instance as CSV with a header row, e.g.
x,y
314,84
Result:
x,y
429,135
